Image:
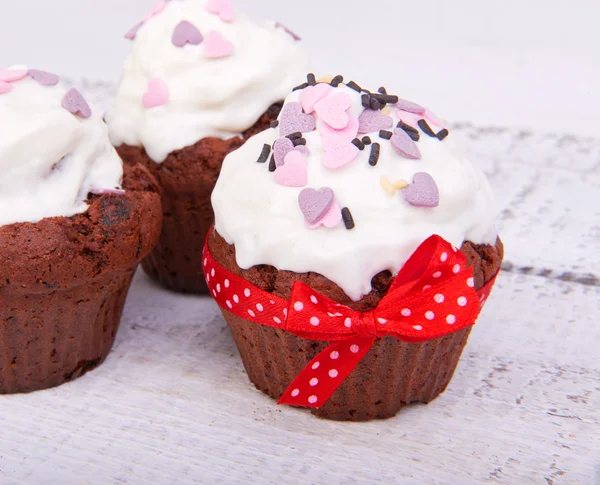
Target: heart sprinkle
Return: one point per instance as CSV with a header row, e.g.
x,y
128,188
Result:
x,y
223,8
423,192
331,219
216,46
338,153
283,146
405,146
332,110
315,204
74,103
371,121
312,95
347,134
155,10
186,33
409,106
293,172
12,75
43,77
157,93
292,119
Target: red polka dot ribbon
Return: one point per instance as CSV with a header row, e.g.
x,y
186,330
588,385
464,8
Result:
x,y
432,296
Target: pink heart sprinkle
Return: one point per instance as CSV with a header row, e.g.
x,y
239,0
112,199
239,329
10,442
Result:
x,y
312,95
155,11
282,147
372,120
409,106
405,146
293,172
43,77
5,87
157,93
338,152
223,8
333,110
216,47
315,204
12,75
131,34
423,192
293,120
349,133
75,103
331,219
186,33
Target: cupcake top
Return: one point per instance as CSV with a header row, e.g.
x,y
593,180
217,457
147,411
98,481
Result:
x,y
197,69
348,183
54,149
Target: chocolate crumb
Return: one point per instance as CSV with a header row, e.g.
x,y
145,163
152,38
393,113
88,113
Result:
x,y
302,86
264,155
353,85
426,128
347,218
337,80
274,124
443,134
312,80
366,140
386,135
358,144
374,156
272,165
299,141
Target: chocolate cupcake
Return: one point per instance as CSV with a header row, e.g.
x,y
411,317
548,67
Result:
x,y
201,78
352,251
72,232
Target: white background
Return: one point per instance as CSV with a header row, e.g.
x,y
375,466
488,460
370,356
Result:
x,y
526,63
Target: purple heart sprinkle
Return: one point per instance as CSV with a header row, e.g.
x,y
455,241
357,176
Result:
x,y
409,106
186,33
132,33
372,120
405,145
314,204
43,77
292,120
74,103
282,147
423,192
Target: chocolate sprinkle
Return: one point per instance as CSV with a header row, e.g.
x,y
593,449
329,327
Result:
x,y
302,86
374,157
294,136
348,219
337,80
366,100
274,124
386,135
358,144
312,80
299,141
443,134
353,85
366,140
272,165
264,155
426,128
410,131
375,104
390,98
382,90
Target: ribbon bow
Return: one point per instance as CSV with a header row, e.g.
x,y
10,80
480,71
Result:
x,y
433,295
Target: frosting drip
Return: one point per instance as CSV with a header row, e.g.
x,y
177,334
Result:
x,y
194,73
391,202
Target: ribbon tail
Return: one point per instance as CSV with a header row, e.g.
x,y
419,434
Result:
x,y
326,372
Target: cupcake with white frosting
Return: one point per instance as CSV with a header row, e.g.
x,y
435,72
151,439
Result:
x,y
73,228
339,195
201,78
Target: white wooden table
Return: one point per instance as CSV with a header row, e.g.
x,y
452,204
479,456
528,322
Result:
x,y
172,404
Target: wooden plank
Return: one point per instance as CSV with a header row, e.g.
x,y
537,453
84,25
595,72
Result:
x,y
173,405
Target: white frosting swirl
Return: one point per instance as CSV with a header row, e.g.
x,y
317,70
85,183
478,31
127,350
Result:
x,y
264,221
207,97
50,159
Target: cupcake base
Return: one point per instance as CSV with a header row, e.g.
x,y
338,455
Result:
x,y
393,373
187,178
64,281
